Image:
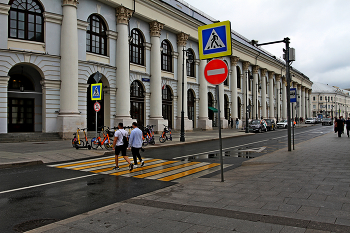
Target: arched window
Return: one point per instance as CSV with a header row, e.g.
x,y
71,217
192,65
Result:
x,y
238,77
137,102
96,37
166,56
26,20
136,47
190,64
167,105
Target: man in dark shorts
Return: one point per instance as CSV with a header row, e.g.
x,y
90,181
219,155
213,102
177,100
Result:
x,y
120,146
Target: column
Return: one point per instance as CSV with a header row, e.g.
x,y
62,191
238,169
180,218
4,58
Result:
x,y
302,102
3,103
69,117
122,63
310,104
307,103
245,91
203,121
156,117
278,100
299,100
284,98
181,72
271,103
224,122
263,93
233,88
255,91
4,11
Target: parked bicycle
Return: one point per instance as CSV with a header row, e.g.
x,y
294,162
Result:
x,y
76,139
148,135
164,137
106,142
83,145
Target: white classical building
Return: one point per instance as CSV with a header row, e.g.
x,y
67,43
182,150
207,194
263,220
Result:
x,y
51,49
329,101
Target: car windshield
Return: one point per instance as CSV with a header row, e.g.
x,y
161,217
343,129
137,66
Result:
x,y
268,121
327,119
309,118
255,122
284,121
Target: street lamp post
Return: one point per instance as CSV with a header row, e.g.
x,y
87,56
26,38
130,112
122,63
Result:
x,y
190,59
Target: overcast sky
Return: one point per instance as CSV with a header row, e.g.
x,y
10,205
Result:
x,y
319,31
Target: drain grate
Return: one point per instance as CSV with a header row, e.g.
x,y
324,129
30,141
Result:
x,y
32,224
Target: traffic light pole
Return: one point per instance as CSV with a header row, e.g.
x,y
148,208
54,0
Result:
x,y
286,41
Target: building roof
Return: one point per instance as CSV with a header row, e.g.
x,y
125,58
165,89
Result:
x,y
325,88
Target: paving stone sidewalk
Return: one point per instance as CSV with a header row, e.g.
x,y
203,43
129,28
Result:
x,y
306,190
13,154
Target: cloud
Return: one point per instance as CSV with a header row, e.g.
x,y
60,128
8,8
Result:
x,y
318,30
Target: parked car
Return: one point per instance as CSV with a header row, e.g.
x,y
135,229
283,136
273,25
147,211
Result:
x,y
256,126
283,124
327,121
270,124
310,121
318,120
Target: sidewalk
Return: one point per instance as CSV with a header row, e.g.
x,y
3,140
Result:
x,y
26,153
306,190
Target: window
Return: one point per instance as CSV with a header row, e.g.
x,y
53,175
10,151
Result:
x,y
167,105
190,65
314,106
320,97
26,20
238,77
136,47
314,98
166,56
331,98
96,37
226,80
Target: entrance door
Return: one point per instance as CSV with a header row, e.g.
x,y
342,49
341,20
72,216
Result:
x,y
167,105
211,112
20,115
190,106
137,100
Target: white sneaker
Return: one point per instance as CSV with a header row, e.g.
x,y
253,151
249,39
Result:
x,y
135,165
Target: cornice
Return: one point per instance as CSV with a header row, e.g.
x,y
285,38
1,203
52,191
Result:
x,y
52,17
82,25
112,35
4,9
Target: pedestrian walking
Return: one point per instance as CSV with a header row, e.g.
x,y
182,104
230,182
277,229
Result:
x,y
231,122
135,143
335,125
348,126
340,126
120,144
237,123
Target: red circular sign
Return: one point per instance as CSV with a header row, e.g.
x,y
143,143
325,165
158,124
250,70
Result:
x,y
97,107
216,71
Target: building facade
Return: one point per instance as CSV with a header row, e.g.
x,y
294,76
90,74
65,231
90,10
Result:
x,y
329,101
50,50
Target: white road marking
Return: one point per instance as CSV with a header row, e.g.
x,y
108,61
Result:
x,y
216,71
39,185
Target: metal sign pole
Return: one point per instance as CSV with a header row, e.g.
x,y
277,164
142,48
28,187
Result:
x,y
96,122
220,139
293,124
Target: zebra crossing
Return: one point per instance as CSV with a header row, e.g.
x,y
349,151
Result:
x,y
155,169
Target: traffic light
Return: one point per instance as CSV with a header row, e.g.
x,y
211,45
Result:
x,y
291,54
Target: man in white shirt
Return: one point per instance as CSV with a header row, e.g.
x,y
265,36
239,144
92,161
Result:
x,y
135,142
120,146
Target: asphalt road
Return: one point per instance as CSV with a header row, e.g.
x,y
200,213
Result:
x,y
38,195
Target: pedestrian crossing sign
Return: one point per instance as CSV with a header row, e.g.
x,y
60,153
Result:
x,y
215,40
96,90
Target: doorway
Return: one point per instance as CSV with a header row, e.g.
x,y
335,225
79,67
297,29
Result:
x,y
137,102
90,112
190,106
167,105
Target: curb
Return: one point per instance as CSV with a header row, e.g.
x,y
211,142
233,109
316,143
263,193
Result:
x,y
21,164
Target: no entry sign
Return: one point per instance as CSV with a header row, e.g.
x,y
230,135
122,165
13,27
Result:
x,y
97,107
216,71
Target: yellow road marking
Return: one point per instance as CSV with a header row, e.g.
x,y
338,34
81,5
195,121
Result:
x,y
148,167
121,166
165,170
189,172
82,163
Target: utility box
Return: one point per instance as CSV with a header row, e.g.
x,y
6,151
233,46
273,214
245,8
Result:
x,y
291,54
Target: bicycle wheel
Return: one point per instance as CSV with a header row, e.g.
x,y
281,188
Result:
x,y
94,143
151,141
108,145
162,138
145,141
77,145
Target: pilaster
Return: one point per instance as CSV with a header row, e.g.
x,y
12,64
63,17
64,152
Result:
x,y
263,92
271,95
233,86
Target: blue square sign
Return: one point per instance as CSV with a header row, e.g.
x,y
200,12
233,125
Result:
x,y
96,90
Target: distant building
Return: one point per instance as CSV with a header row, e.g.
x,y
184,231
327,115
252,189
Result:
x,y
329,101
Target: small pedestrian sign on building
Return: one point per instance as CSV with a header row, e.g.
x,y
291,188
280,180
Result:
x,y
215,40
96,91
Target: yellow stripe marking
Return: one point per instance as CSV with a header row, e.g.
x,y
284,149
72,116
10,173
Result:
x,y
82,163
165,170
121,166
189,172
148,167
